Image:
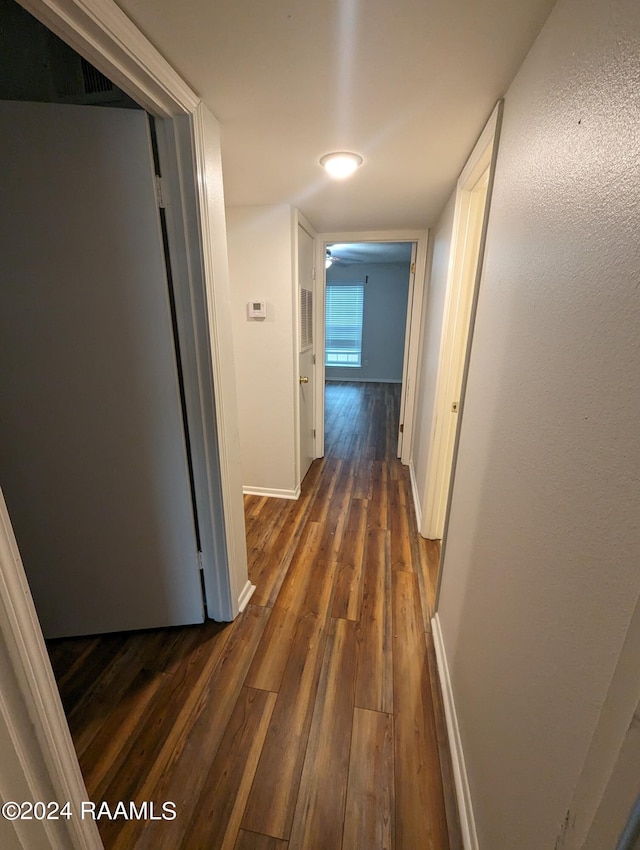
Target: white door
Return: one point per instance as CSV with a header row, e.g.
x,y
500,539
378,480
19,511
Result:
x,y
92,453
306,348
453,348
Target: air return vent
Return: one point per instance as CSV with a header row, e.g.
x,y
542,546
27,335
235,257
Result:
x,y
306,319
94,81
75,80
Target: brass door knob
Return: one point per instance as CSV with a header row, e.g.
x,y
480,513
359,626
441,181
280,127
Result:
x,y
304,379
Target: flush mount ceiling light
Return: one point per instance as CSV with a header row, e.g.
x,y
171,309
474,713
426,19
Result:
x,y
341,164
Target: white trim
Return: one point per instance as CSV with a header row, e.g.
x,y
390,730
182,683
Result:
x,y
463,794
30,704
206,137
420,237
191,300
245,595
416,496
274,494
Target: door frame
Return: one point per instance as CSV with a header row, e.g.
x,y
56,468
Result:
x,y
41,766
461,297
216,482
46,765
405,356
415,304
105,36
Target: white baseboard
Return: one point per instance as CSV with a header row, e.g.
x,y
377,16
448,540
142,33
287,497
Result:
x,y
245,596
416,496
274,494
465,808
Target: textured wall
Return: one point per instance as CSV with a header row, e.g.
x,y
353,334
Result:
x,y
541,572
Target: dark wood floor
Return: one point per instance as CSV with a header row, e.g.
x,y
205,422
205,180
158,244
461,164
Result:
x,y
314,721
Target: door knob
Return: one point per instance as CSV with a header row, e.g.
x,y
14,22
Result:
x,y
304,379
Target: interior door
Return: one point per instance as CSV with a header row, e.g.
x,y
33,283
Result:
x,y
306,348
92,454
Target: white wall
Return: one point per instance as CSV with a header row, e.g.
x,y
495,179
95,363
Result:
x,y
541,572
260,266
383,320
431,335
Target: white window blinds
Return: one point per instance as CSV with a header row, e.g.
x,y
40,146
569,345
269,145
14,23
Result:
x,y
343,340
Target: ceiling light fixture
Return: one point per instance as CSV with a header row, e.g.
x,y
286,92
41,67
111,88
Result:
x,y
341,164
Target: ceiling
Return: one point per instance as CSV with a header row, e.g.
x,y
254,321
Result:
x,y
408,85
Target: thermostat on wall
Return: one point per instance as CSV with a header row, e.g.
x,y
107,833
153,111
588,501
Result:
x,y
257,309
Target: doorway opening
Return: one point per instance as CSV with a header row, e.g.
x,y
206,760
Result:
x,y
95,392
472,206
370,324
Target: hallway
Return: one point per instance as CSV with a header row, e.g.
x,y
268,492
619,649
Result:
x,y
313,721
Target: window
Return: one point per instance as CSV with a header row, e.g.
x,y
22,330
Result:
x,y
343,341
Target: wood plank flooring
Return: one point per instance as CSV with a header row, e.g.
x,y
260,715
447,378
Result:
x,y
315,720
